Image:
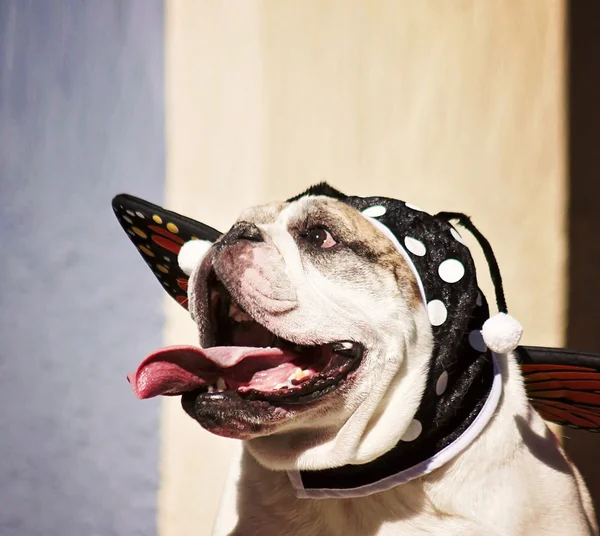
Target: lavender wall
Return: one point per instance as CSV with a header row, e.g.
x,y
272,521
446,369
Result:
x,y
81,119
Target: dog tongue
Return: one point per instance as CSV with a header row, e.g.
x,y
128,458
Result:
x,y
178,369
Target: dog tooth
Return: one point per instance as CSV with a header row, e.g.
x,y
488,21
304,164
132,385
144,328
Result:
x,y
211,388
299,375
347,345
221,385
305,375
296,375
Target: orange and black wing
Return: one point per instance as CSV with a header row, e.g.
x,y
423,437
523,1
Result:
x,y
158,235
563,385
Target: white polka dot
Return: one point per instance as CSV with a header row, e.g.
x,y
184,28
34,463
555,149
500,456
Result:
x,y
451,271
437,312
139,215
375,211
476,341
413,431
479,300
130,232
415,246
168,259
441,384
128,220
130,212
414,207
456,236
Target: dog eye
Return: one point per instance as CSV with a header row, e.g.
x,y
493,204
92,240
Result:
x,y
320,237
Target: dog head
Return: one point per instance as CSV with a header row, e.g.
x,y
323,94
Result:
x,y
315,335
316,280
318,342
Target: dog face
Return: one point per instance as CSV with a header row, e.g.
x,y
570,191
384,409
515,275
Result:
x,y
328,331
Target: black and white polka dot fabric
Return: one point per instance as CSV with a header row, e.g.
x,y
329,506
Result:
x,y
462,371
455,306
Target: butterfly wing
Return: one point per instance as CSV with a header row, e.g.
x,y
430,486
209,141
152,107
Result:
x,y
158,235
563,385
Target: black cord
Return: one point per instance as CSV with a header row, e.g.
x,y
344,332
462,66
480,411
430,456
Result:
x,y
466,222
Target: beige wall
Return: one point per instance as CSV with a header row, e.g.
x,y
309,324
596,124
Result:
x,y
450,104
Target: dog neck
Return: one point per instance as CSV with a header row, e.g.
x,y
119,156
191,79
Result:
x,y
457,420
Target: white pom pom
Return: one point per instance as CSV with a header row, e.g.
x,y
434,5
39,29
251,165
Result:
x,y
191,254
502,333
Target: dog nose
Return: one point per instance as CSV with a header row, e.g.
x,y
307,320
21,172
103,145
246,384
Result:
x,y
242,230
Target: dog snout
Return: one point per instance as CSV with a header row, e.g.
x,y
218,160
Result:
x,y
242,230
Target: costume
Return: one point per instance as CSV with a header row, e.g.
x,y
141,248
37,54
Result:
x,y
463,386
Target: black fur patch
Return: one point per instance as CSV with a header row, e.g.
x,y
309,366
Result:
x,y
320,189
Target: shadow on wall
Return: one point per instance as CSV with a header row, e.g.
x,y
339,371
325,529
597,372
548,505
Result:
x,y
583,331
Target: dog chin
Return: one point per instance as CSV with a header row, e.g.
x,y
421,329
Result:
x,y
227,415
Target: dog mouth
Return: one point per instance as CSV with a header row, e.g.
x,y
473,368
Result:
x,y
247,362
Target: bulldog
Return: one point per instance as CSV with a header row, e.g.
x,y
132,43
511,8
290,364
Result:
x,y
344,344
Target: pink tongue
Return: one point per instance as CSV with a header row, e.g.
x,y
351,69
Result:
x,y
178,369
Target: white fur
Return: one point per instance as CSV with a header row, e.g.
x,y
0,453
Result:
x,y
377,412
